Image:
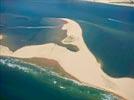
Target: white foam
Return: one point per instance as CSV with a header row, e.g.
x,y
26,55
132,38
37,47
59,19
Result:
x,y
54,82
10,63
31,27
62,87
108,97
116,20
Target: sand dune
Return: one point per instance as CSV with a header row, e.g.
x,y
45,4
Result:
x,y
81,64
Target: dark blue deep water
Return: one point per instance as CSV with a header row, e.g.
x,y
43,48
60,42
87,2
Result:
x,y
108,31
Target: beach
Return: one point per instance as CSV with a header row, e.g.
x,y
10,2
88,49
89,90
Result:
x,y
129,3
81,64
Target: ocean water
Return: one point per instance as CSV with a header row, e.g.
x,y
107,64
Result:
x,y
23,81
108,31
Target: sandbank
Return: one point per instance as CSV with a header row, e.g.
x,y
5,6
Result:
x,y
81,64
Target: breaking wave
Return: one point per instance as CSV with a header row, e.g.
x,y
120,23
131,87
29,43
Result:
x,y
48,78
31,27
116,20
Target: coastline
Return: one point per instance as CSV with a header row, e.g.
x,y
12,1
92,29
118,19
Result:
x,y
116,3
81,64
51,64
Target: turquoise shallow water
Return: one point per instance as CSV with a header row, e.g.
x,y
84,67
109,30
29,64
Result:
x,y
107,30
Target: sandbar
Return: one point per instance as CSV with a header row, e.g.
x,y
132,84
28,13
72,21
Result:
x,y
81,64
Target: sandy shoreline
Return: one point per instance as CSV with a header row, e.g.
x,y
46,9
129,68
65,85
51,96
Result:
x,y
81,64
52,64
114,2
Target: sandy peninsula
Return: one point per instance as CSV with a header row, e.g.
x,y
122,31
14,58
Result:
x,y
81,64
